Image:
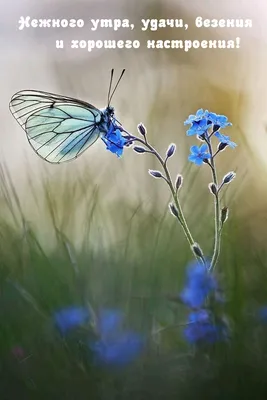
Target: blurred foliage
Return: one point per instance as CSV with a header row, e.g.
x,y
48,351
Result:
x,y
129,258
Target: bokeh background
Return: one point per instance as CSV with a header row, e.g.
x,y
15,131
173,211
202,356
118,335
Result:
x,y
113,216
160,87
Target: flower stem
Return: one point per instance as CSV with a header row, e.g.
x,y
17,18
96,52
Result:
x,y
217,230
181,218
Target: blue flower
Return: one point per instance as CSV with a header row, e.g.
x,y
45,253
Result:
x,y
109,321
199,285
219,121
119,352
225,139
115,346
203,120
202,328
199,123
115,141
198,154
198,128
70,318
262,314
200,114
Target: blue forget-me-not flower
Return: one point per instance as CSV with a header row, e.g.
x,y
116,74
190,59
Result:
x,y
206,118
202,328
262,314
199,284
204,125
70,318
198,127
199,124
115,346
199,154
115,141
200,114
218,121
225,139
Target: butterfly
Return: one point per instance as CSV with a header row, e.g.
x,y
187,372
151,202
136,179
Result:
x,y
61,128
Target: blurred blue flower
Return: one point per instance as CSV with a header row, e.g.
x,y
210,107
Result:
x,y
115,346
199,284
201,328
262,313
70,318
219,121
225,139
115,141
198,154
120,351
109,321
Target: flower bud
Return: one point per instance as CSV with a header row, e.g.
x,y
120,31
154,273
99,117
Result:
x,y
155,174
224,214
221,146
171,150
229,177
142,129
139,149
201,137
213,188
174,210
215,128
178,182
197,250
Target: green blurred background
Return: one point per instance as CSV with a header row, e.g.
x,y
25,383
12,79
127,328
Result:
x,y
98,229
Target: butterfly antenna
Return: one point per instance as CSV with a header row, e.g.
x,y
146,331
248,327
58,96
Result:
x,y
110,83
116,86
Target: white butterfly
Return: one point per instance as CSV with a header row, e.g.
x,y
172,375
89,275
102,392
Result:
x,y
60,128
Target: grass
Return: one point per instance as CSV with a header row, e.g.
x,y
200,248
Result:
x,y
123,257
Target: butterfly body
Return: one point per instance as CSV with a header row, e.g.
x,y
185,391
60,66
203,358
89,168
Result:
x,y
107,121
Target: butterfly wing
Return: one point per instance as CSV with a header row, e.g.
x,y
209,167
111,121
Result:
x,y
58,128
